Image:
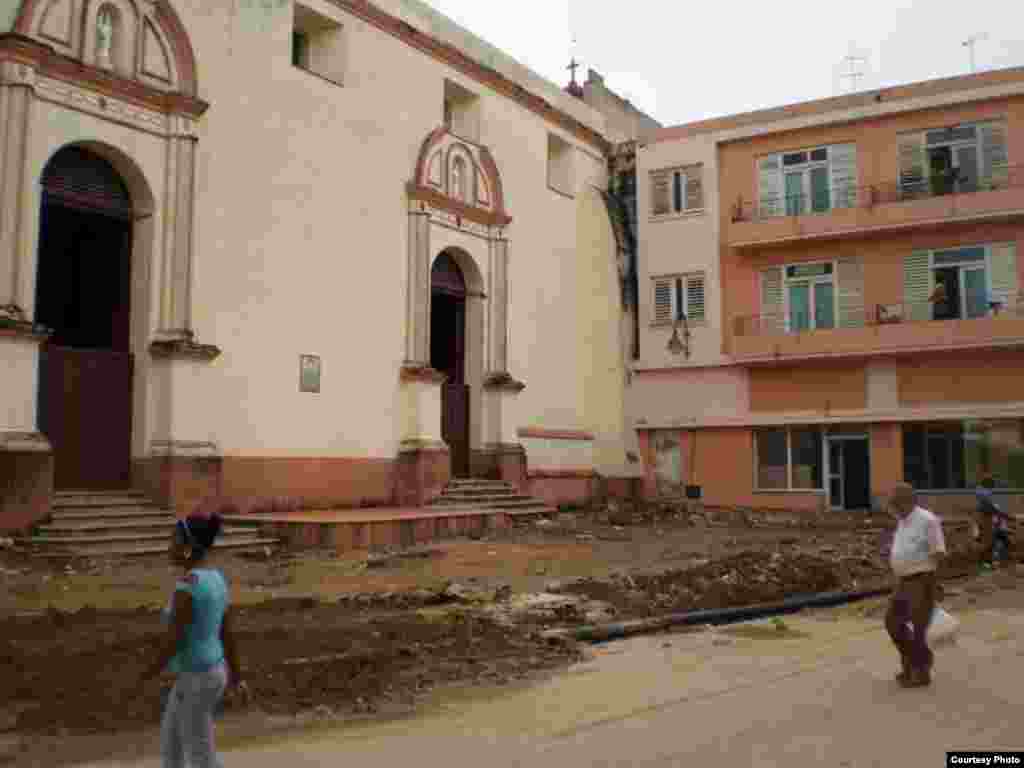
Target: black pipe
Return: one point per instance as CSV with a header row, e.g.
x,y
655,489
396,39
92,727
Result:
x,y
716,616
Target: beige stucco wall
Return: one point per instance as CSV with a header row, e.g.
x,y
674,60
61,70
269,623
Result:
x,y
301,232
679,244
601,369
20,362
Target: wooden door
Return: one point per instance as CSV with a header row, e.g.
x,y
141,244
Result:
x,y
455,425
85,412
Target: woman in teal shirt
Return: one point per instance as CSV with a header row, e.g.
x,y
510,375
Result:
x,y
199,649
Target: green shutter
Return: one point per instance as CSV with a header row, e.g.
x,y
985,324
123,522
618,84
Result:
x,y
694,187
660,202
770,170
995,167
913,181
695,298
851,292
843,169
1003,261
662,300
917,285
772,310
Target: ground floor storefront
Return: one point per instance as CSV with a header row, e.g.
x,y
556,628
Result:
x,y
822,467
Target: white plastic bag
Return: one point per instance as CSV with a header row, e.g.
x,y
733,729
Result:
x,y
942,628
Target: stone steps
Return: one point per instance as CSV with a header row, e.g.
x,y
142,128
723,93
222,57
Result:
x,y
487,496
118,523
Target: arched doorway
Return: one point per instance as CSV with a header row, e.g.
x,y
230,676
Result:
x,y
448,355
83,290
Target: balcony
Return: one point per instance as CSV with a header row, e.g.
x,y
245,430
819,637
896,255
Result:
x,y
888,330
855,212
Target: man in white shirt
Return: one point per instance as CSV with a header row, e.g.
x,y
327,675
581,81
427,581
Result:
x,y
917,547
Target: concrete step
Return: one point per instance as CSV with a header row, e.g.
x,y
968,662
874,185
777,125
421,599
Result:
x,y
133,550
98,502
446,503
103,536
472,494
484,496
123,524
143,511
479,486
530,509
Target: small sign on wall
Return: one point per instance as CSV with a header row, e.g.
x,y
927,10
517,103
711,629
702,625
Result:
x,y
309,373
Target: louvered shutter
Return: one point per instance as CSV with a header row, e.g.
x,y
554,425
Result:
x,y
663,300
772,313
1003,261
851,292
660,202
695,298
912,166
770,170
995,167
843,175
917,285
694,188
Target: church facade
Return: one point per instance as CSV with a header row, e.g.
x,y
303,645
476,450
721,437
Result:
x,y
332,252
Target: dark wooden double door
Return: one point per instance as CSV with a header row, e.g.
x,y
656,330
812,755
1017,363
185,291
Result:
x,y
448,355
85,368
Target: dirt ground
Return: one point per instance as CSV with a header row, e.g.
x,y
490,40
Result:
x,y
359,634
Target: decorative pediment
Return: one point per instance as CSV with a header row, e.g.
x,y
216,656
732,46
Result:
x,y
135,40
459,177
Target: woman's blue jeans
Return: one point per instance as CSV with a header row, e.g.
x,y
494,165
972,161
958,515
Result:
x,y
186,732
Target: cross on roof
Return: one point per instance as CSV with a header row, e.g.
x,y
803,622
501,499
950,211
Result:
x,y
573,66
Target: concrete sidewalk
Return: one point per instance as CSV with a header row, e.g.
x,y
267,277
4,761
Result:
x,y
824,698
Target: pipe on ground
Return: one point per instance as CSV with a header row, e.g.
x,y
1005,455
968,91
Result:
x,y
602,633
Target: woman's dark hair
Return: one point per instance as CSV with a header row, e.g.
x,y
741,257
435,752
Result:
x,y
200,532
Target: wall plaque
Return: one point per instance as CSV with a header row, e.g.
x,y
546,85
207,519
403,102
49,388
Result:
x,y
309,373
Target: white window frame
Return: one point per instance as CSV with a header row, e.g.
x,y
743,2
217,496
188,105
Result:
x,y
673,173
954,145
805,169
812,281
679,283
964,266
788,429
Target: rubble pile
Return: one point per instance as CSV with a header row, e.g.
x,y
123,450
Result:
x,y
742,579
79,672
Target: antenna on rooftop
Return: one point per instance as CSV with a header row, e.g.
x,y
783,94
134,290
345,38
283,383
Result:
x,y
970,42
852,70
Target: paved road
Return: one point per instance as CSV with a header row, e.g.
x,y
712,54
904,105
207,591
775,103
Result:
x,y
826,698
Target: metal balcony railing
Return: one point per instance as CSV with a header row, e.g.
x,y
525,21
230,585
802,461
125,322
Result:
x,y
907,188
776,323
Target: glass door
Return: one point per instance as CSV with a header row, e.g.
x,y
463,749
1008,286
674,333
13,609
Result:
x,y
795,193
799,307
967,169
975,293
835,474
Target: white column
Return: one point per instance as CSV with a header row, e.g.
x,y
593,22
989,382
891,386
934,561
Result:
x,y
16,100
497,295
417,336
179,234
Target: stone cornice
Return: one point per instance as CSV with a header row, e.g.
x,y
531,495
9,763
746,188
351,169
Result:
x,y
22,329
442,202
24,442
422,373
539,433
503,382
48,62
183,349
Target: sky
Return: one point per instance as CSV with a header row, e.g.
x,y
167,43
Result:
x,y
738,56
